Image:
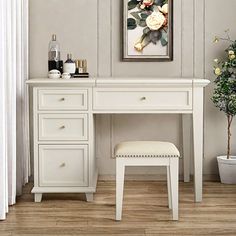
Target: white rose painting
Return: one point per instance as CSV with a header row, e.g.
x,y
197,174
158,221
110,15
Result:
x,y
147,30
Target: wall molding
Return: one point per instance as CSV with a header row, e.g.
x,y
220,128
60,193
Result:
x,y
199,39
104,19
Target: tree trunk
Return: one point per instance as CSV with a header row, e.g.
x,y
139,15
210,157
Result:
x,y
230,119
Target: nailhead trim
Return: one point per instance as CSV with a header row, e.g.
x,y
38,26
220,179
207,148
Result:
x,y
135,155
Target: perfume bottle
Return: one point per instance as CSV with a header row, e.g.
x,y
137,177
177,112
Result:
x,y
81,66
85,66
54,60
69,65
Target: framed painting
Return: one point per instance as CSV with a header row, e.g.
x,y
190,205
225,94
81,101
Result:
x,y
147,30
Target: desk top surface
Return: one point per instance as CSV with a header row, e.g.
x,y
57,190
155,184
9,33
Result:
x,y
120,82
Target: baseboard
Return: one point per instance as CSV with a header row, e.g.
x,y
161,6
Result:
x,y
211,178
160,177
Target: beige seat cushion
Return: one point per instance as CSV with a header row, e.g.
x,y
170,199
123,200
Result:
x,y
146,149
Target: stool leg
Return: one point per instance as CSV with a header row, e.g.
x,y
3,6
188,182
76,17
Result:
x,y
120,174
174,180
169,187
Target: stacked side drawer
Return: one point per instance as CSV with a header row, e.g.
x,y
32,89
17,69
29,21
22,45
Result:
x,y
62,135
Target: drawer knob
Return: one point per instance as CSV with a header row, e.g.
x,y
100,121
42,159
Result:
x,y
63,164
143,98
62,127
62,99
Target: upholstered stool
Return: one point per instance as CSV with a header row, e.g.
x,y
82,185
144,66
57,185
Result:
x,y
148,153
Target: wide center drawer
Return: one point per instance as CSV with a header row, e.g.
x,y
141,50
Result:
x,y
62,99
63,127
63,165
142,99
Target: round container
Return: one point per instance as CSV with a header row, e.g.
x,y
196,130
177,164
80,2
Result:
x,y
54,74
66,76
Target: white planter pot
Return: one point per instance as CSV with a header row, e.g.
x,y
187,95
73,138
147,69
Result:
x,y
227,169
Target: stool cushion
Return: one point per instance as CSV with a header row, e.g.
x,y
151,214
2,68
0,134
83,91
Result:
x,y
146,149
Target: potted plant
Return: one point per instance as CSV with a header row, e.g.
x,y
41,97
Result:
x,y
224,97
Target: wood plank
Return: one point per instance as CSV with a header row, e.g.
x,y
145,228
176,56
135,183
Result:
x,y
145,212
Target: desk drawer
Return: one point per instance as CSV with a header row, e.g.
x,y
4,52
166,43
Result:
x,y
63,127
142,99
62,99
63,165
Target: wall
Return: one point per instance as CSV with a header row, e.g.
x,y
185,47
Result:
x,y
93,30
215,121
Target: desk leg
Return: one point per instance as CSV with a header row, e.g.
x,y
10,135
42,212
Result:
x,y
89,197
186,124
198,141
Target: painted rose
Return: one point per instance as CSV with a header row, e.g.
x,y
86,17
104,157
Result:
x,y
146,3
155,21
164,8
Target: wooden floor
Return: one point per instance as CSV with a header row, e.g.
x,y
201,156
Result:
x,y
145,212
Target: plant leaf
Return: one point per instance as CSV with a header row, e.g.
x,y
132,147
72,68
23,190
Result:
x,y
163,42
131,24
155,36
132,4
146,40
159,2
164,34
144,16
135,15
142,23
164,38
146,30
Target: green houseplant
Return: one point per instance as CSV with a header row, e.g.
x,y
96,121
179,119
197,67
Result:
x,y
224,98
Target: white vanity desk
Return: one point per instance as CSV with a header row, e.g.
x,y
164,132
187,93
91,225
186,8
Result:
x,y
64,137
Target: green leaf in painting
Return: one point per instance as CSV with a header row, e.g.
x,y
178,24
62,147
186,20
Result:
x,y
144,16
163,42
146,40
132,4
155,36
159,2
146,30
164,38
131,24
142,23
135,15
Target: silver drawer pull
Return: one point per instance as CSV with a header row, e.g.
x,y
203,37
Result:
x,y
62,99
62,127
63,164
143,98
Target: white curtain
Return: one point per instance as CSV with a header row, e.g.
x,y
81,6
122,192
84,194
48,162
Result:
x,y
14,114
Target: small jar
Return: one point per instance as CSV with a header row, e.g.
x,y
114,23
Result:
x,y
66,76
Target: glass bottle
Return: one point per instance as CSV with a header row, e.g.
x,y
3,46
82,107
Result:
x,y
69,65
54,60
